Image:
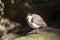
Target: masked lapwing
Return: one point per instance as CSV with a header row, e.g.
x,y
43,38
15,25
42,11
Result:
x,y
35,21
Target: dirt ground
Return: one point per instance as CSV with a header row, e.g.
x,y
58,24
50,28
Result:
x,y
44,34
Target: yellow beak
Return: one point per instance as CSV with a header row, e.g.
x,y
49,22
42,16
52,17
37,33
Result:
x,y
28,17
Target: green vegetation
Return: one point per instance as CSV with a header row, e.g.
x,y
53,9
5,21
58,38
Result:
x,y
40,36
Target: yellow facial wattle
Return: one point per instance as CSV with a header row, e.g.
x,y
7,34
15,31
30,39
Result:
x,y
28,17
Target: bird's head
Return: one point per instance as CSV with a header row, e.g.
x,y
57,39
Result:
x,y
29,16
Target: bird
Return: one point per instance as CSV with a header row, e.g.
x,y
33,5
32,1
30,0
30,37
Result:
x,y
35,21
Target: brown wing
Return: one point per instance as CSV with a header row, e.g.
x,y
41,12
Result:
x,y
39,20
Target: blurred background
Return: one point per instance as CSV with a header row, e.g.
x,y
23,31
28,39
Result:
x,y
13,22
48,9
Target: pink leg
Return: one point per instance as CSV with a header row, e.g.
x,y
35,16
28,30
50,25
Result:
x,y
36,30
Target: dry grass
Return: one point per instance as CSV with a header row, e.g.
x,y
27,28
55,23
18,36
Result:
x,y
44,34
41,36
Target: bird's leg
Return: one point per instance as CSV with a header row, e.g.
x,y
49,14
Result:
x,y
36,30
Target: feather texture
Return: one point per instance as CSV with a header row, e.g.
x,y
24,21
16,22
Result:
x,y
37,21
